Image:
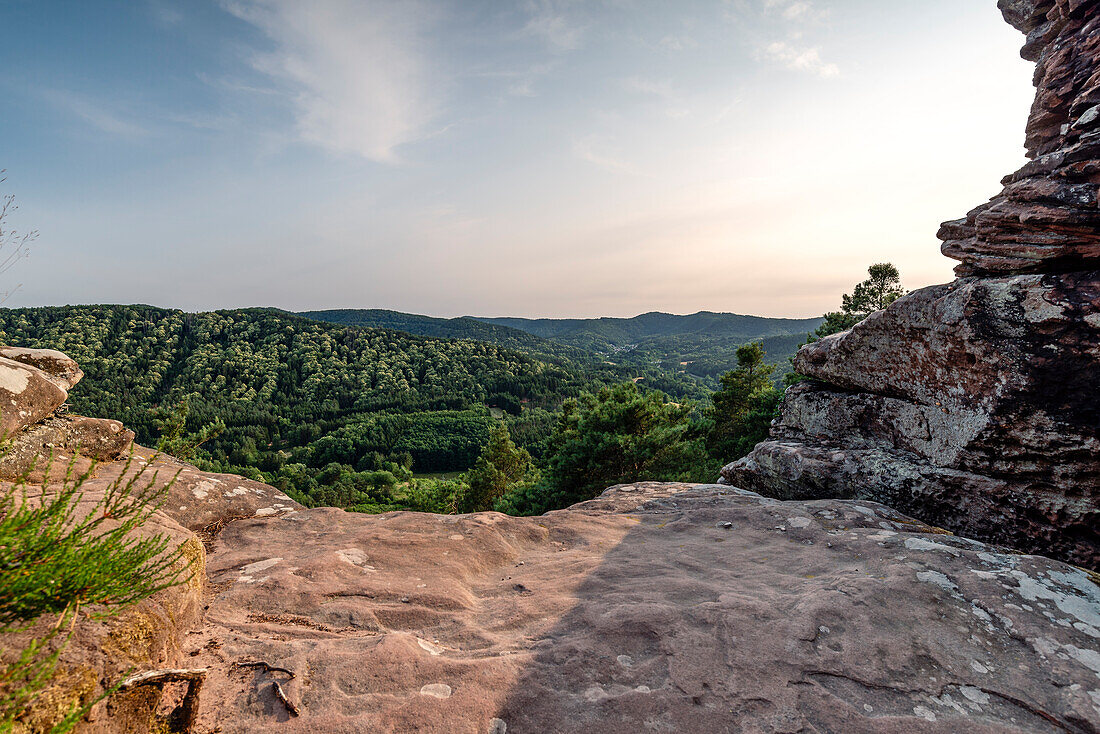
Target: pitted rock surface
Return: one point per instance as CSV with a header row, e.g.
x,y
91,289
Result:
x,y
100,439
203,501
973,405
656,607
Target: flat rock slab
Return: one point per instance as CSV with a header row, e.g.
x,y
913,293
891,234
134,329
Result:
x,y
654,608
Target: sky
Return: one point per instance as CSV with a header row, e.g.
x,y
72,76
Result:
x,y
568,158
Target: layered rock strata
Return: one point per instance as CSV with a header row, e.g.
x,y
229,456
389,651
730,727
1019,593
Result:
x,y
1045,219
974,405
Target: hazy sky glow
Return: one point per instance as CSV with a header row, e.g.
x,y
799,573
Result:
x,y
493,157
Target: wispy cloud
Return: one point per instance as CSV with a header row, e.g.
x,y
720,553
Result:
x,y
796,10
357,72
800,58
791,20
165,14
551,21
95,114
593,149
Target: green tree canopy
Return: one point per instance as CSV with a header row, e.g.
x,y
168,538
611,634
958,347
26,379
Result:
x,y
881,288
500,467
743,407
618,435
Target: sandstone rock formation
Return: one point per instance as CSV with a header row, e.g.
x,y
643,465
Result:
x,y
655,607
1046,218
27,394
974,405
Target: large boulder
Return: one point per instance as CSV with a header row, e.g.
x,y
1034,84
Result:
x,y
656,607
28,454
973,405
59,368
27,395
33,384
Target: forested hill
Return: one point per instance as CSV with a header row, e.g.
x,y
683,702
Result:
x,y
702,344
681,355
672,379
463,327
607,333
296,391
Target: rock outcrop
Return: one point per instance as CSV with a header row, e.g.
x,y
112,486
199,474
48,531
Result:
x,y
28,394
1046,218
655,607
974,405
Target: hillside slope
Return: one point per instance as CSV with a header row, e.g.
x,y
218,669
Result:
x,y
669,375
592,333
462,327
296,391
702,344
681,355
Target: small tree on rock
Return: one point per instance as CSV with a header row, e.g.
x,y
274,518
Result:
x,y
881,288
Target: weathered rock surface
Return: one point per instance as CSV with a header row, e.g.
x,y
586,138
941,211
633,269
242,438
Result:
x,y
63,435
1047,217
973,405
27,395
33,384
656,607
59,368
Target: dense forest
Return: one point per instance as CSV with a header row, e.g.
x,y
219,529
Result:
x,y
375,419
292,391
463,327
680,355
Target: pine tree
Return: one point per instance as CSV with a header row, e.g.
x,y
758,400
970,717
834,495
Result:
x,y
500,467
743,407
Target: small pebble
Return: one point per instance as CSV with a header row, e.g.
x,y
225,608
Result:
x,y
725,525
404,600
436,690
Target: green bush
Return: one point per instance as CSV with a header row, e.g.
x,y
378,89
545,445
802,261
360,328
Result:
x,y
618,435
56,559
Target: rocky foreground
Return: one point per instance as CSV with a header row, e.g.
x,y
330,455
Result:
x,y
653,608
